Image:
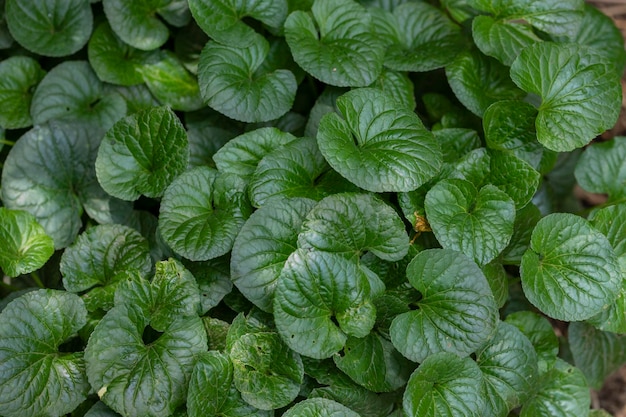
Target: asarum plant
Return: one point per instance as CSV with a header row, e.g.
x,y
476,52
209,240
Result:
x,y
309,208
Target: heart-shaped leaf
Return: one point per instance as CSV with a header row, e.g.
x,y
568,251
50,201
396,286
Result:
x,y
19,75
36,379
240,83
50,27
501,38
570,272
142,154
445,385
540,333
344,51
351,224
27,247
263,245
202,212
456,311
602,168
376,144
478,223
580,92
321,299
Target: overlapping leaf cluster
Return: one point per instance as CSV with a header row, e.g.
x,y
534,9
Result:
x,y
308,207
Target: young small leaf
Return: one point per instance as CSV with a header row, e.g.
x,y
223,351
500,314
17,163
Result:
x,y
27,247
456,312
263,245
35,378
580,93
50,27
478,223
142,154
376,144
345,52
602,168
445,385
234,81
570,272
19,75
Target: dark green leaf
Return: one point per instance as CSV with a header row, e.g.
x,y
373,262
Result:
x,y
540,333
319,407
50,27
501,38
376,144
525,221
445,385
336,44
213,278
456,312
26,246
570,272
580,93
142,154
19,75
36,379
136,22
602,168
395,84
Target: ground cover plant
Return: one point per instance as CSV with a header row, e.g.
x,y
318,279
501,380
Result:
x,y
309,208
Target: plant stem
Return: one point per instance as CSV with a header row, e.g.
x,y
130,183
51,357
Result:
x,y
35,276
7,142
8,286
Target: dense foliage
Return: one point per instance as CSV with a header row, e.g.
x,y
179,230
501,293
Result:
x,y
309,208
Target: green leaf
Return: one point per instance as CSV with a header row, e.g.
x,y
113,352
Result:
x,y
46,174
263,245
475,222
322,298
100,409
50,27
601,168
296,169
325,103
242,154
508,362
121,365
570,272
319,407
498,282
540,333
99,254
113,60
169,81
266,372
137,97
351,224
376,144
36,379
240,83
478,81
336,45
213,278
456,312
395,84
27,247
136,22
424,38
596,353
208,131
202,212
142,154
445,385
525,221
580,92
374,363
502,38
211,390
222,19
19,76
561,392
71,91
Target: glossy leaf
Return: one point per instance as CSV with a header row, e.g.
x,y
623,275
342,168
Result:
x,y
319,407
322,298
263,245
36,379
26,246
456,312
213,278
136,22
351,224
142,154
478,223
445,385
580,92
501,38
235,81
19,75
201,213
336,44
540,333
601,168
570,272
50,27
376,144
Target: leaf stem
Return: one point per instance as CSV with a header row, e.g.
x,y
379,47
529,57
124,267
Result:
x,y
7,142
8,286
35,276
